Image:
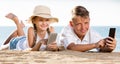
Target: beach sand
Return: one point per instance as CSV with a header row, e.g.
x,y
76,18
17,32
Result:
x,y
59,57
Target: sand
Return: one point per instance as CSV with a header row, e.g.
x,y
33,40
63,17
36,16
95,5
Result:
x,y
61,57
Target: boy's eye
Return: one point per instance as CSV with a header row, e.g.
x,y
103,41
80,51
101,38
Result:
x,y
78,24
86,22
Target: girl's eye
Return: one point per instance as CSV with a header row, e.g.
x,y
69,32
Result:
x,y
47,19
40,19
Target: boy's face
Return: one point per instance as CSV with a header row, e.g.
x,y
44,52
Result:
x,y
80,25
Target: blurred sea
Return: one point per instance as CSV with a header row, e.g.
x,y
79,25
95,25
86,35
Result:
x,y
102,30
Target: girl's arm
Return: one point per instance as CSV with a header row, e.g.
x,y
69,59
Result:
x,y
31,37
38,45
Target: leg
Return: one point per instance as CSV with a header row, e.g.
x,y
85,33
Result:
x,y
19,31
19,26
14,34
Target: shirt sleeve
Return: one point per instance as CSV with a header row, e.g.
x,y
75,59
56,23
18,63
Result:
x,y
95,37
67,36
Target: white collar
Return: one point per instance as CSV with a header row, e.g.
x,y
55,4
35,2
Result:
x,y
86,37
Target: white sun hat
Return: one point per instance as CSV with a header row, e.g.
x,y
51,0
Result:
x,y
44,12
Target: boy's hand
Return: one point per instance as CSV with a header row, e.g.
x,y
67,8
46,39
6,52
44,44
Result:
x,y
110,43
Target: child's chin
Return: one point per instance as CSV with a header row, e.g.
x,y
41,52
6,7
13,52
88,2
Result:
x,y
44,28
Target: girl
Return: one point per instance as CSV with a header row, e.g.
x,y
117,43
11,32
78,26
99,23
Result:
x,y
37,35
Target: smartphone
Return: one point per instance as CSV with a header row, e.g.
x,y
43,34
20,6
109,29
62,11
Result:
x,y
52,37
112,32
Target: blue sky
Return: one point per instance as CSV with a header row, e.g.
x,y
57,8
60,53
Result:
x,y
102,12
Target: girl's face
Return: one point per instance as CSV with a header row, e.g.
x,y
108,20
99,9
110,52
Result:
x,y
41,23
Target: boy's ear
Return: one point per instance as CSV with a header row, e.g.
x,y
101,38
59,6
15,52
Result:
x,y
71,23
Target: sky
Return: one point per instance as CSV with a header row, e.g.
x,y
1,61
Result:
x,y
102,12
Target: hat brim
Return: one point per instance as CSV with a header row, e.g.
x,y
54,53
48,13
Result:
x,y
52,19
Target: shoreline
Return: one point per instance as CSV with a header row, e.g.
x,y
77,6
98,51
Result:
x,y
59,57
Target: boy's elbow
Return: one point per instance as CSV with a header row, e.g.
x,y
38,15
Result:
x,y
73,47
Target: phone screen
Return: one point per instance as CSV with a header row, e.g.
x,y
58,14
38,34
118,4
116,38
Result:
x,y
112,32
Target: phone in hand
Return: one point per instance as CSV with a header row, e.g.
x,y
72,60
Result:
x,y
112,33
52,37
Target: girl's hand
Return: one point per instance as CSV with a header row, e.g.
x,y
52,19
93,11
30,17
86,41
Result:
x,y
43,41
52,47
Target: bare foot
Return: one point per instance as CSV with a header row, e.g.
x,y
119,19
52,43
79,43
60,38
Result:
x,y
11,16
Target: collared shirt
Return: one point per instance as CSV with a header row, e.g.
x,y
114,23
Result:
x,y
68,37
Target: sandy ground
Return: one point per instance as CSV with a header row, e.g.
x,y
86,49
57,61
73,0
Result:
x,y
61,57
